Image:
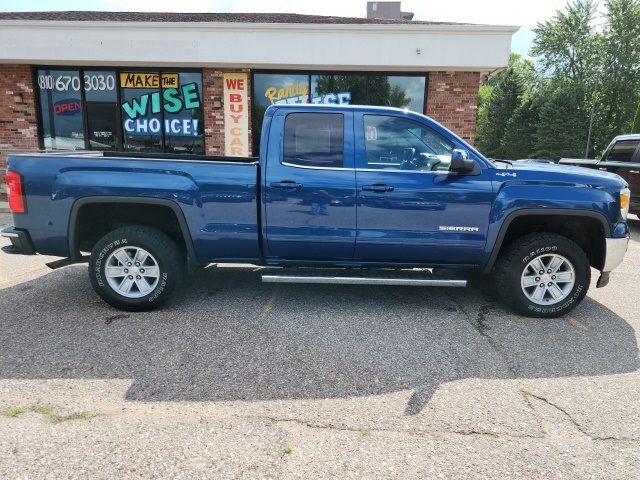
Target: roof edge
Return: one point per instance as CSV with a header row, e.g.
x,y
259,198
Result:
x,y
380,27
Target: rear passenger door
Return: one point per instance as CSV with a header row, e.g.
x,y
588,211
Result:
x,y
309,187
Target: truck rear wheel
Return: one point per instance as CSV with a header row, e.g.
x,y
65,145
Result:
x,y
543,275
135,268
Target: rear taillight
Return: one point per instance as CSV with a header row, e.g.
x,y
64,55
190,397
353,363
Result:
x,y
15,192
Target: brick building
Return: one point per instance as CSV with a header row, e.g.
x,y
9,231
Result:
x,y
199,83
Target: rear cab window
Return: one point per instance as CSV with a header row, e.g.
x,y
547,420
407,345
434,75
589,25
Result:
x,y
314,140
622,151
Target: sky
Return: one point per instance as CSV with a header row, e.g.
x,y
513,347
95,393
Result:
x,y
523,13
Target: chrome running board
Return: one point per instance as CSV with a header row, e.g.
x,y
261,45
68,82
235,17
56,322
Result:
x,y
347,277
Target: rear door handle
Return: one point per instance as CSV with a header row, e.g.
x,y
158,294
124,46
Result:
x,y
634,171
378,187
286,185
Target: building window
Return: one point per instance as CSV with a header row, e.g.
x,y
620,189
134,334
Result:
x,y
101,103
402,91
141,114
184,116
131,110
162,111
272,88
61,109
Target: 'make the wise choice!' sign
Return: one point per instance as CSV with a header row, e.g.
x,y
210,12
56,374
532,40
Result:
x,y
236,115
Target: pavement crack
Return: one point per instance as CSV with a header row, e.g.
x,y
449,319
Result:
x,y
419,433
479,325
574,422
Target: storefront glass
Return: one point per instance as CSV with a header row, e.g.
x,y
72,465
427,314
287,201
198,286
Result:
x,y
141,127
184,122
61,108
102,109
132,110
402,91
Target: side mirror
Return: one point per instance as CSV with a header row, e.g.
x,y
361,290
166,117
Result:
x,y
460,162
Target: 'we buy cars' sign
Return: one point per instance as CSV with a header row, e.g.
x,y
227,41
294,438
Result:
x,y
236,118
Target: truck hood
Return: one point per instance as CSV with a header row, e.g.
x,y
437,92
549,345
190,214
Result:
x,y
563,174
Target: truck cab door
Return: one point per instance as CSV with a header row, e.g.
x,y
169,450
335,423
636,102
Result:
x,y
411,209
309,187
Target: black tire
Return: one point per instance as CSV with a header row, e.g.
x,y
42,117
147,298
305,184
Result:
x,y
514,259
155,242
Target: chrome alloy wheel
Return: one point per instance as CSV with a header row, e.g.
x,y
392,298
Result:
x,y
132,272
548,279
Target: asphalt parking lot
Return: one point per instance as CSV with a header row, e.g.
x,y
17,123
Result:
x,y
239,379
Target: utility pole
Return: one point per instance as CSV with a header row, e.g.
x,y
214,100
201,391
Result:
x,y
593,107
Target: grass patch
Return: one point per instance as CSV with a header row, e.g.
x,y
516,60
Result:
x,y
288,450
49,412
84,415
13,412
45,410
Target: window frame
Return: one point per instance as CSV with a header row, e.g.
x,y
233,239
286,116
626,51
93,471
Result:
x,y
120,129
361,132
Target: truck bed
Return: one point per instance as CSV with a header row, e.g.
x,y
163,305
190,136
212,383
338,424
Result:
x,y
216,196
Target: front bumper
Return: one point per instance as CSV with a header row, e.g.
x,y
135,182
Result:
x,y
615,250
20,241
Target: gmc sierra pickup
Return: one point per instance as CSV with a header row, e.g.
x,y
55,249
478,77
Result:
x,y
361,195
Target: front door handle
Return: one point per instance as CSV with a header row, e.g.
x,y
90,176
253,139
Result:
x,y
286,185
634,171
377,187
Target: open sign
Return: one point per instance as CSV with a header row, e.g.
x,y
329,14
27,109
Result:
x,y
67,106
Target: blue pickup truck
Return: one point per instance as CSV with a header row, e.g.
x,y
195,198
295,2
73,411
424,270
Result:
x,y
339,194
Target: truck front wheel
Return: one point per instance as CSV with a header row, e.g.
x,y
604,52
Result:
x,y
135,268
543,275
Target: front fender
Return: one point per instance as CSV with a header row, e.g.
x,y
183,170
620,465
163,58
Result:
x,y
515,200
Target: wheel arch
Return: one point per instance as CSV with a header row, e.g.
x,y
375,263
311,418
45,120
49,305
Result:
x,y
550,218
82,203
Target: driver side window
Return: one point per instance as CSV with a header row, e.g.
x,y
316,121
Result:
x,y
394,143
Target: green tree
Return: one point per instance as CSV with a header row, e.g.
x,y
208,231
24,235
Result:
x,y
503,101
519,139
524,71
563,121
570,52
620,81
567,45
587,68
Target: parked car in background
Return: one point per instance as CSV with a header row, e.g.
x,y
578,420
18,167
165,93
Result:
x,y
345,194
622,156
